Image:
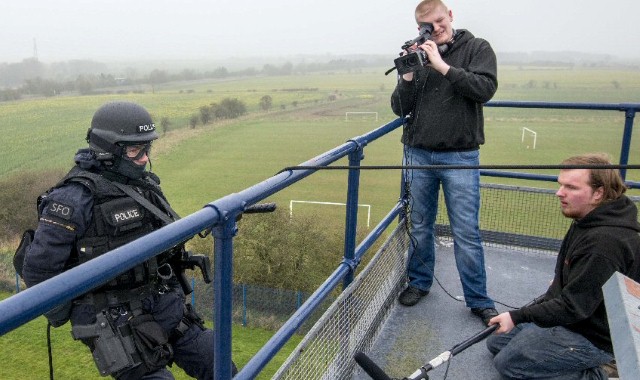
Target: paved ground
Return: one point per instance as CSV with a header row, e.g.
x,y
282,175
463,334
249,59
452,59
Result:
x,y
412,336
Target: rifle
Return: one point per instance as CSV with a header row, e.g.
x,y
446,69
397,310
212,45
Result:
x,y
178,261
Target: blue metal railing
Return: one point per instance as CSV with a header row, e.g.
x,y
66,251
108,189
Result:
x,y
629,110
221,216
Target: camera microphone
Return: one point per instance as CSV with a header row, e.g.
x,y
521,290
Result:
x,y
370,367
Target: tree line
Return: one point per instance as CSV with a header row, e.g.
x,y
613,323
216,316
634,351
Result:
x,y
34,78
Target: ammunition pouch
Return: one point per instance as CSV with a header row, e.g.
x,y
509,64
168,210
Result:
x,y
151,341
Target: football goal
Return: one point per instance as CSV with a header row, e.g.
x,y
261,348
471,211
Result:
x,y
360,115
292,202
530,136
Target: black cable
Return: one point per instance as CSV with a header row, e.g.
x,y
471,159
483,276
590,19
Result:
x,y
49,350
446,371
445,289
436,167
505,305
459,300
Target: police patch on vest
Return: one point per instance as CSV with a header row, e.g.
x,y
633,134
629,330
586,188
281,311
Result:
x,y
60,210
127,215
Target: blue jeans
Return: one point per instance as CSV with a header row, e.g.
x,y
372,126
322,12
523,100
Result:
x,y
462,197
532,352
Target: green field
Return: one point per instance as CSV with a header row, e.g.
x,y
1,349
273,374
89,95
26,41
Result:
x,y
206,163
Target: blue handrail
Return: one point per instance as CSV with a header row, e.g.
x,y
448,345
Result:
x,y
629,109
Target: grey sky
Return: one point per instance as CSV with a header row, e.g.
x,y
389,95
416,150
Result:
x,y
218,29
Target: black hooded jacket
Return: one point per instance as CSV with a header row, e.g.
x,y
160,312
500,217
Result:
x,y
447,113
595,247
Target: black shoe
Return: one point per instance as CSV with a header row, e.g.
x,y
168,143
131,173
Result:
x,y
410,296
485,313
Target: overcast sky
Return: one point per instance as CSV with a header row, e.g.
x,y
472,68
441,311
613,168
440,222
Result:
x,y
217,29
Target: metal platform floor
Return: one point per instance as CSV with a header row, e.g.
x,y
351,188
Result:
x,y
412,336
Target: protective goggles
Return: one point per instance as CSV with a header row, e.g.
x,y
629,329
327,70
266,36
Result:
x,y
137,151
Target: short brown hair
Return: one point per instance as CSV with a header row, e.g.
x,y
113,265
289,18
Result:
x,y
423,7
609,179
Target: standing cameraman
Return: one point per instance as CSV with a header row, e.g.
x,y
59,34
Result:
x,y
445,99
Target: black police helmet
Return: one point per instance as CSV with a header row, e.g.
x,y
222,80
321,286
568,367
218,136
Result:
x,y
119,123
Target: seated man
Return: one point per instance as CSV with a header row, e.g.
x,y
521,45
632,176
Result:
x,y
565,333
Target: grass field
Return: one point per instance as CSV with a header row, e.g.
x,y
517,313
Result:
x,y
203,164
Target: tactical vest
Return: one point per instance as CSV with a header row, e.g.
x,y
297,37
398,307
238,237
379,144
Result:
x,y
135,343
117,219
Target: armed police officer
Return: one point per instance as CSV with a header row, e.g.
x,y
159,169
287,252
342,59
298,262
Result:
x,y
109,199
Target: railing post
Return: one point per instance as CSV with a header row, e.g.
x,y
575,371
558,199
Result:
x,y
351,222
222,297
630,114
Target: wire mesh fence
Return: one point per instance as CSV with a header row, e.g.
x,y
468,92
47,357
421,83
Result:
x,y
522,218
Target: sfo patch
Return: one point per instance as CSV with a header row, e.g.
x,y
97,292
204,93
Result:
x,y
60,210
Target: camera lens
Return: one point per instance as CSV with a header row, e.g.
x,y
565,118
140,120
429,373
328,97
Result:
x,y
412,60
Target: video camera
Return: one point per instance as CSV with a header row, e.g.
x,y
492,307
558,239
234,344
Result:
x,y
417,58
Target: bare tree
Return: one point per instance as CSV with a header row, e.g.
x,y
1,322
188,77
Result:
x,y
266,102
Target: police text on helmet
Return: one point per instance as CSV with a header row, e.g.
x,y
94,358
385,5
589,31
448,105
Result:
x,y
146,128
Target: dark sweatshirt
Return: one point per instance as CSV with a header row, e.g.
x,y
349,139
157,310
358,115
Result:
x,y
595,247
448,113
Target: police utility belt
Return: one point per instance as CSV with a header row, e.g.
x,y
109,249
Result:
x,y
123,338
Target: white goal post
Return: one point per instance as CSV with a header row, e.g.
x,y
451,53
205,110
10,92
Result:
x,y
531,132
346,114
368,207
